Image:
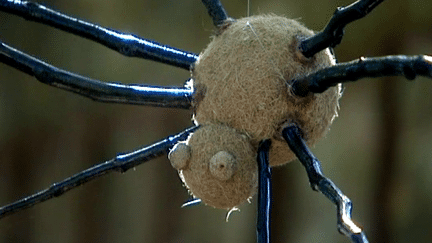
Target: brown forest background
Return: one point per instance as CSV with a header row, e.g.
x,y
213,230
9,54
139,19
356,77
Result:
x,y
379,151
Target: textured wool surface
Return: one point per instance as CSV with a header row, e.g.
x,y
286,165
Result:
x,y
180,156
221,169
242,79
242,83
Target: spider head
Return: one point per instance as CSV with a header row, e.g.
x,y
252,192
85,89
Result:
x,y
218,165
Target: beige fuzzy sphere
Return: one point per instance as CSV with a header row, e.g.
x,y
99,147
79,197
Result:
x,y
242,80
218,165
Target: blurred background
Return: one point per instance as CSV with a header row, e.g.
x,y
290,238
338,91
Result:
x,y
379,150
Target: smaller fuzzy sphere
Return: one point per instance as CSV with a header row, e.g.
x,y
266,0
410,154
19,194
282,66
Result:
x,y
223,172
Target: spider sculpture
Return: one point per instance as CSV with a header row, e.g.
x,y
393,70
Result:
x,y
283,97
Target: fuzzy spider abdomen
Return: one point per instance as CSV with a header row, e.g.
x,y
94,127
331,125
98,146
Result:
x,y
242,80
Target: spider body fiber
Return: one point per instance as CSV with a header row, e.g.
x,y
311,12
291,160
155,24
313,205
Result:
x,y
242,85
263,91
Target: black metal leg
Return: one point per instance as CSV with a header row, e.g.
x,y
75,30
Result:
x,y
137,94
264,193
333,32
126,44
121,163
216,11
319,182
321,80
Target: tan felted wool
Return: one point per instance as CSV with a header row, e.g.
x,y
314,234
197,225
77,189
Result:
x,y
221,168
242,83
242,79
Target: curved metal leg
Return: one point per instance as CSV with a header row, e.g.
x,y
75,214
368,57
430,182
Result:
x,y
121,163
137,94
321,80
126,44
333,32
264,193
319,182
216,11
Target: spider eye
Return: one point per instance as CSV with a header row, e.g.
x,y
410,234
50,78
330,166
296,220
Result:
x,y
180,156
223,165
